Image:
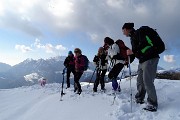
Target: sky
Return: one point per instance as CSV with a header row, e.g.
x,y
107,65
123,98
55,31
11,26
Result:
x,y
48,28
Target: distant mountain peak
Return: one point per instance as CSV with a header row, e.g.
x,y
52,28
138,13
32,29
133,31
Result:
x,y
4,67
28,60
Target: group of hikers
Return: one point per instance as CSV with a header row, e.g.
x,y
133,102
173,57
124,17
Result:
x,y
146,47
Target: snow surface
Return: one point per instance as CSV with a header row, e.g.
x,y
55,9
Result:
x,y
31,77
43,103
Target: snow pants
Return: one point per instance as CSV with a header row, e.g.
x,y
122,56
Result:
x,y
77,77
69,70
100,74
113,74
145,81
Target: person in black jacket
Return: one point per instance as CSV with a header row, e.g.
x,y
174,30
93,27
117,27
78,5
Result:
x,y
148,61
101,63
69,63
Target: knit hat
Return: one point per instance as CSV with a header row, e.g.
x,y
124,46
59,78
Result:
x,y
100,49
77,50
108,40
128,25
70,53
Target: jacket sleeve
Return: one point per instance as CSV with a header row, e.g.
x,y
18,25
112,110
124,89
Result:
x,y
135,42
66,62
82,61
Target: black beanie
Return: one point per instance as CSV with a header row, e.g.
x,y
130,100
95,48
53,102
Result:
x,y
128,25
108,41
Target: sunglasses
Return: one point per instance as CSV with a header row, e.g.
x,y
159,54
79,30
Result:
x,y
76,52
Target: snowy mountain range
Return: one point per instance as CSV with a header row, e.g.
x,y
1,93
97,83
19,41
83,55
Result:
x,y
30,71
176,70
4,67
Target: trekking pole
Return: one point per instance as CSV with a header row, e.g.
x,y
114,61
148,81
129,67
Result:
x,y
130,80
92,77
62,93
119,88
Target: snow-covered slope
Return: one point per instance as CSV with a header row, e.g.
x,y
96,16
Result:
x,y
37,103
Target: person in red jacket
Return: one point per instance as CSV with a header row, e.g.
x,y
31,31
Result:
x,y
79,69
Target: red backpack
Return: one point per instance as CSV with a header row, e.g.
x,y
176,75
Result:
x,y
123,51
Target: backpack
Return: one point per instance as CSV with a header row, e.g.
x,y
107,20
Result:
x,y
153,38
123,52
86,66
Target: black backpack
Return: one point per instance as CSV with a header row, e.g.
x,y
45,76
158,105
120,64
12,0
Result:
x,y
153,37
86,66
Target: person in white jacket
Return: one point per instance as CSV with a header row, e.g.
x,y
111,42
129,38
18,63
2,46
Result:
x,y
116,63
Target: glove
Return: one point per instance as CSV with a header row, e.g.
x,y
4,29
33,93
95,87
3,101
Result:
x,y
96,59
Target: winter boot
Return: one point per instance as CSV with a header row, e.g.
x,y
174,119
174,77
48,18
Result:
x,y
75,87
94,89
114,84
79,91
103,90
139,101
150,108
119,88
68,86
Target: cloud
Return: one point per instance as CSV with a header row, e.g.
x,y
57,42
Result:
x,y
48,48
37,43
60,8
169,58
60,48
23,48
95,18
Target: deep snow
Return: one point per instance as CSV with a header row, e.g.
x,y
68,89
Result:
x,y
38,103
